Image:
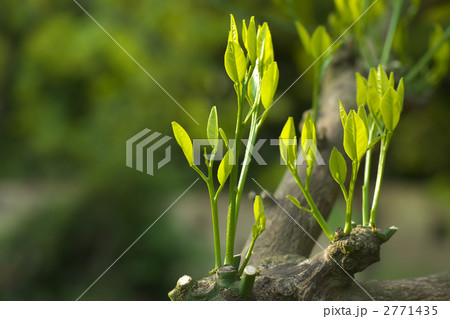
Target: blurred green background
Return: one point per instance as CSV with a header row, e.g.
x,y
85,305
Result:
x,y
70,98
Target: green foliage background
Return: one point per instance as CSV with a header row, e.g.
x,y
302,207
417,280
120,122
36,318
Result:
x,y
70,98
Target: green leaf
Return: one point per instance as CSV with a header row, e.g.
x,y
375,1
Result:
x,y
260,218
320,42
374,142
288,143
373,96
382,81
213,128
184,141
264,47
250,43
244,33
258,208
390,109
308,135
304,36
361,90
235,62
225,167
297,203
224,137
363,116
401,93
342,113
269,84
233,35
254,85
338,166
355,137
391,80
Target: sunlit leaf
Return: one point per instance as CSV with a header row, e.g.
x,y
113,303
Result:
x,y
184,141
251,41
363,116
374,142
258,208
264,47
342,113
225,167
338,166
391,80
390,109
361,90
288,143
355,137
269,85
235,62
260,218
382,81
401,92
254,84
308,137
233,35
224,137
212,130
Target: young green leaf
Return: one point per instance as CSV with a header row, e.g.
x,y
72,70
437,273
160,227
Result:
x,y
250,42
297,203
338,166
235,62
374,142
225,167
363,116
260,218
390,109
244,33
224,137
254,84
233,35
391,80
342,113
382,81
320,42
288,143
304,36
212,130
269,84
401,92
373,102
308,136
184,141
361,90
355,137
258,208
264,46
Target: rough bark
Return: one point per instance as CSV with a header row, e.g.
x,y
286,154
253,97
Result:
x,y
281,253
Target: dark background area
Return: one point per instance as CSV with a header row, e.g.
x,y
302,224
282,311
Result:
x,y
70,98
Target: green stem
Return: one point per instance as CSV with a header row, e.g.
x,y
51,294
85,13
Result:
x,y
315,96
215,221
247,257
381,163
231,218
366,187
391,32
254,128
351,191
315,211
427,56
